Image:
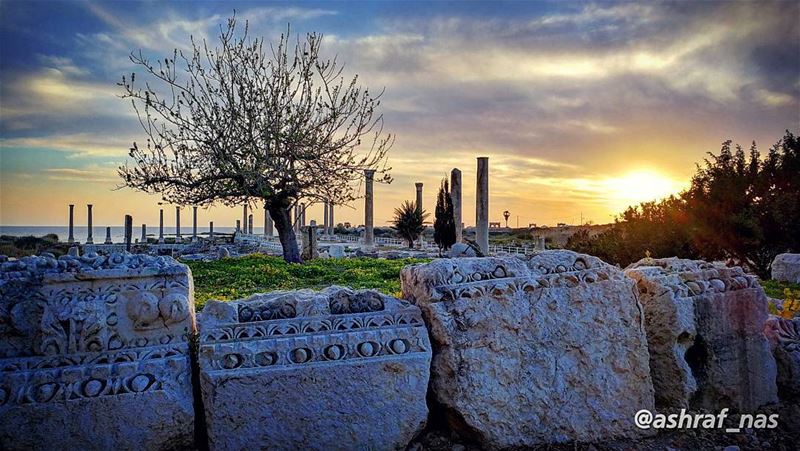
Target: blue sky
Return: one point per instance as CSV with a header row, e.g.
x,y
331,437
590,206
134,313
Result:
x,y
582,107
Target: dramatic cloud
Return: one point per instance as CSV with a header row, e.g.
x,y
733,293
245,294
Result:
x,y
582,108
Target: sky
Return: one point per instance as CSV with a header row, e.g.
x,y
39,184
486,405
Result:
x,y
582,108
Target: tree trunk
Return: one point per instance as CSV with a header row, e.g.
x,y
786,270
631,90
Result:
x,y
283,223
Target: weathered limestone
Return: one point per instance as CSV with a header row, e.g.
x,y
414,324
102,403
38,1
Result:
x,y
369,233
455,196
460,250
161,226
310,250
336,369
94,353
177,224
784,339
71,238
705,334
552,350
336,251
482,205
89,239
786,267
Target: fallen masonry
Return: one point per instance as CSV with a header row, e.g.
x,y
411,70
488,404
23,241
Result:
x,y
544,351
336,369
94,353
705,330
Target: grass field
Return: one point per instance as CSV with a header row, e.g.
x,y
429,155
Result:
x,y
235,278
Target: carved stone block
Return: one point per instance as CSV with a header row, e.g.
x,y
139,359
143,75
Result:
x,y
705,331
336,369
784,338
786,267
94,353
526,353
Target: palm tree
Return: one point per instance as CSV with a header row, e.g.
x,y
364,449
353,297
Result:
x,y
409,221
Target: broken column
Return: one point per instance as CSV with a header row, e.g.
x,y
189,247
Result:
x,y
244,218
71,238
309,251
482,205
211,231
546,351
338,368
705,330
144,234
369,233
250,224
96,353
455,196
89,239
128,232
108,236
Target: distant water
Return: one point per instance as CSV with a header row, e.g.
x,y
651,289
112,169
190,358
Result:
x,y
117,233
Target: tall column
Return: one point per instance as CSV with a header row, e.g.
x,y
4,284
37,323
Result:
x,y
331,220
144,234
89,239
296,223
482,205
244,219
161,226
177,224
71,238
239,226
302,215
194,223
455,196
419,206
211,230
325,218
250,224
267,223
128,232
369,233
108,236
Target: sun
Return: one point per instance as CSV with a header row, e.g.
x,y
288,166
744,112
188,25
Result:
x,y
641,185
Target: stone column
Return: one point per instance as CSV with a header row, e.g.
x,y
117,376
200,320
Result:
x,y
211,230
302,215
128,232
144,234
177,224
369,233
455,196
482,205
194,223
309,251
239,226
296,216
419,206
250,224
89,239
325,218
71,238
244,218
331,220
161,226
267,223
108,236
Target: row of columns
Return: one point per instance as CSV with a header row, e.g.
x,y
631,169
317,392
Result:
x,y
90,236
481,204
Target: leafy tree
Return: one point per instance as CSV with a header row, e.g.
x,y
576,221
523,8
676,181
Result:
x,y
444,226
236,124
741,208
409,221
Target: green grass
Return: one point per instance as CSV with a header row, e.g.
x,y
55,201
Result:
x,y
774,288
235,278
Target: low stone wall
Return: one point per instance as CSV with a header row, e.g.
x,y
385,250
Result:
x,y
336,369
94,353
544,351
705,328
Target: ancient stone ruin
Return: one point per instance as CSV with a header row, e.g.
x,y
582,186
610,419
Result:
x,y
543,351
336,369
784,339
705,330
94,353
786,268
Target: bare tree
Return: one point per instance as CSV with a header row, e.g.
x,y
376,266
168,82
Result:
x,y
247,122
